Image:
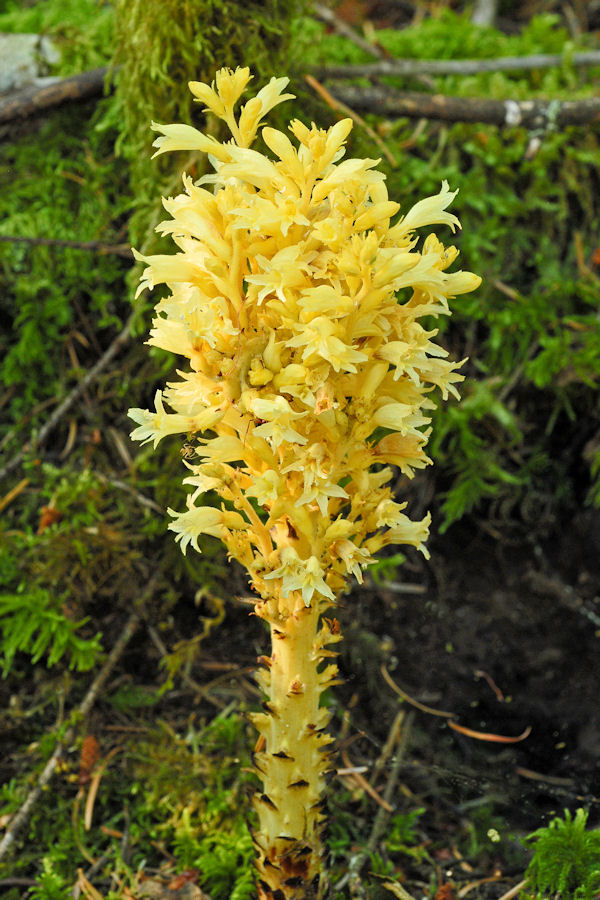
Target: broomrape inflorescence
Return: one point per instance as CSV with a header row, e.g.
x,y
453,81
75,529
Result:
x,y
297,305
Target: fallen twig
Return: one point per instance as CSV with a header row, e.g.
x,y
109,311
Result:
x,y
21,817
469,732
491,879
390,743
398,736
531,114
489,736
480,673
18,489
337,104
38,98
545,779
123,250
363,784
121,341
514,891
327,15
401,729
457,66
395,888
379,100
415,703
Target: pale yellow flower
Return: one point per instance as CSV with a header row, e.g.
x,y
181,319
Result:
x,y
304,575
155,426
298,310
278,416
266,487
319,492
431,211
285,270
197,520
186,137
355,559
389,513
298,307
230,85
320,337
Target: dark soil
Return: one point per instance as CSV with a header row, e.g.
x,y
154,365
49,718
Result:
x,y
505,636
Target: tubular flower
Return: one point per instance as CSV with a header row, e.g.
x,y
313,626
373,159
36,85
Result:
x,y
298,308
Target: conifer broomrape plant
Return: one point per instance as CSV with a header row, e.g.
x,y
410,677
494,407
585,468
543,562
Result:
x,y
309,376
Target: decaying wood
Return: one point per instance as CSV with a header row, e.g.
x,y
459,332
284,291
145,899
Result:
x,y
484,12
123,250
530,114
411,67
381,100
35,99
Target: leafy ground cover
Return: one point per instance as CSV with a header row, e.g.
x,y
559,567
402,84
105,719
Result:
x,y
500,628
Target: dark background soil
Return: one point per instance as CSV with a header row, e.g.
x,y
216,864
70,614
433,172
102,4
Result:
x,y
504,633
506,636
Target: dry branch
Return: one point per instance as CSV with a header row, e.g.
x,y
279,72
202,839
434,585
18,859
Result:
x,y
329,17
121,341
410,67
33,100
398,737
531,114
380,100
484,12
123,250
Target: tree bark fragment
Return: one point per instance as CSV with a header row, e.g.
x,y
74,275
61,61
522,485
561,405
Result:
x,y
39,97
531,114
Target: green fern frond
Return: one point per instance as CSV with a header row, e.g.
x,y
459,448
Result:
x,y
34,623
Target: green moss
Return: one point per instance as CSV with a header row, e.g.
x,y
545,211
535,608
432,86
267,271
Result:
x,y
566,859
161,46
58,182
176,797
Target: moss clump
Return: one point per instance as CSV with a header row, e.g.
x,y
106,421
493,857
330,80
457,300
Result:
x,y
161,46
566,859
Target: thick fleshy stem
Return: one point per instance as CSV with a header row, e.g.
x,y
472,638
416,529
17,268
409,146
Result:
x,y
293,759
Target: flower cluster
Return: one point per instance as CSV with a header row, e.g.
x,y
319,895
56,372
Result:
x,y
297,304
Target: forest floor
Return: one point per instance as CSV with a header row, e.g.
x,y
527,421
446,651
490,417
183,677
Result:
x,y
505,637
467,717
495,643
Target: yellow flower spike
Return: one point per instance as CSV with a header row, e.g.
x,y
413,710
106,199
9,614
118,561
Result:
x,y
231,85
282,147
428,212
186,137
208,96
299,310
